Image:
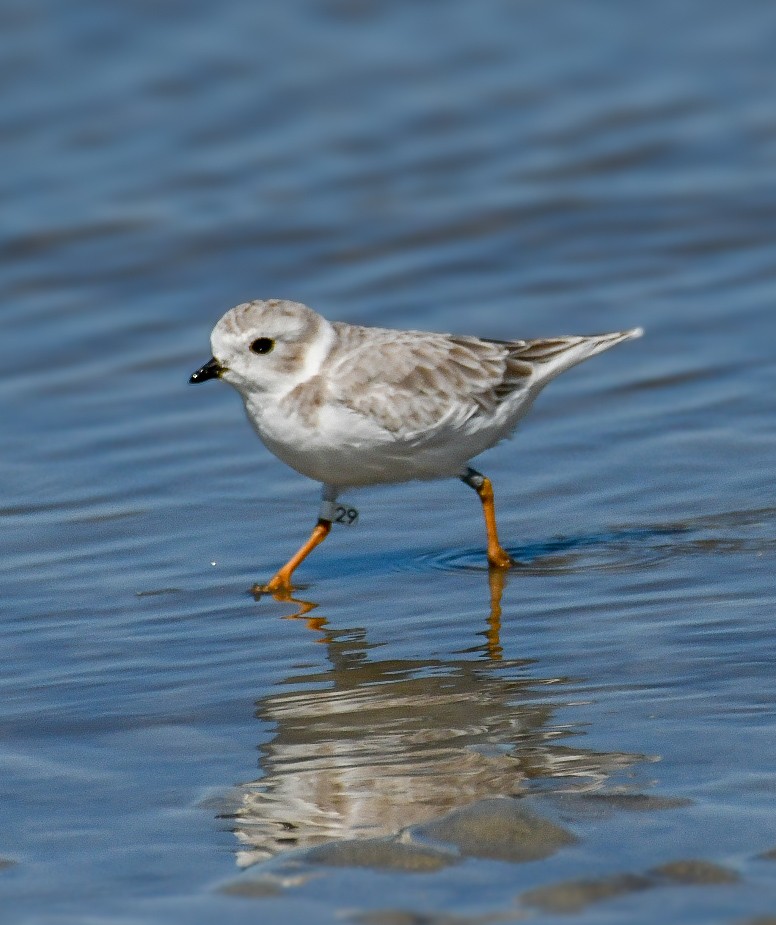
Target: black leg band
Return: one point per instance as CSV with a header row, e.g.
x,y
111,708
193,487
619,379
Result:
x,y
473,478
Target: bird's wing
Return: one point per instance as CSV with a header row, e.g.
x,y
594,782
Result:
x,y
411,382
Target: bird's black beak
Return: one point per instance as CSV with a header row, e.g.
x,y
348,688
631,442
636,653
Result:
x,y
211,370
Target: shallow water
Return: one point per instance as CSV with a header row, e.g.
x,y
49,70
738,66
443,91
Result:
x,y
591,738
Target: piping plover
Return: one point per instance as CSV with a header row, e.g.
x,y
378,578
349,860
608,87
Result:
x,y
350,406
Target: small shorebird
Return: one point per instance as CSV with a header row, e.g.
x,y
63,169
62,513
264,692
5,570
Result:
x,y
350,406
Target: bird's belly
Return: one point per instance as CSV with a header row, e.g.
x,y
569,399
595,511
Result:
x,y
347,450
354,464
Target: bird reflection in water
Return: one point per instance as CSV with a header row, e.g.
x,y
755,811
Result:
x,y
369,746
496,581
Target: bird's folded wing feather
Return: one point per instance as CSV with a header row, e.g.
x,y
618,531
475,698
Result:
x,y
411,382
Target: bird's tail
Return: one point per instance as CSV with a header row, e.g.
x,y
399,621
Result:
x,y
550,357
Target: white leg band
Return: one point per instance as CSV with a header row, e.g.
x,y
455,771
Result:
x,y
328,510
338,512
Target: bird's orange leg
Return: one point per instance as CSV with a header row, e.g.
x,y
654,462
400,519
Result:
x,y
282,580
497,555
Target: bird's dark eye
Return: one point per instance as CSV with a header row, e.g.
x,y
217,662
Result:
x,y
262,345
